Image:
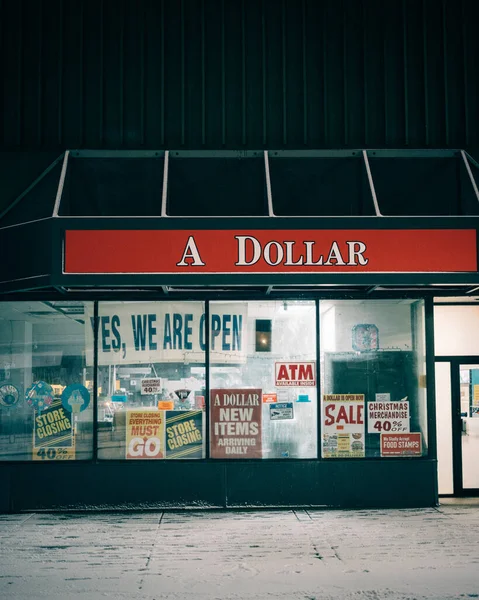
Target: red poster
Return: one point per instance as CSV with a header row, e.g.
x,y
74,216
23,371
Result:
x,y
271,251
235,417
401,444
295,374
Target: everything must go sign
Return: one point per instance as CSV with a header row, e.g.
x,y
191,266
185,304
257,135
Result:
x,y
149,332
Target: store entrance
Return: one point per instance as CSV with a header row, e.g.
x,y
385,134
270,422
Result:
x,y
457,414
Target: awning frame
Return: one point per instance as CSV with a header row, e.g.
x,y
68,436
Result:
x,y
48,274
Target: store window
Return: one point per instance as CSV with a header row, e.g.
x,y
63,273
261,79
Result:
x,y
373,384
151,380
263,400
45,382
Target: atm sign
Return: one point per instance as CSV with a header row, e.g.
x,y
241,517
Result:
x,y
295,374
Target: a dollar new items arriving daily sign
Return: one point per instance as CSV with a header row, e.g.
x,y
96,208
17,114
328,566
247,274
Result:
x,y
236,423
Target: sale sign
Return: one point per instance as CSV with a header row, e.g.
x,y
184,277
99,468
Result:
x,y
236,423
388,416
295,374
401,444
343,426
145,434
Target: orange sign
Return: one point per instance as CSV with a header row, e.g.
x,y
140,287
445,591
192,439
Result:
x,y
270,398
166,404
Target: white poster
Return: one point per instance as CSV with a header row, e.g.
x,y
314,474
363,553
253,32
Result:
x,y
343,426
153,385
388,417
157,332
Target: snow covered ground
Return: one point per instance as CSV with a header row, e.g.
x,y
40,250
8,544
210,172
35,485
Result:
x,y
261,555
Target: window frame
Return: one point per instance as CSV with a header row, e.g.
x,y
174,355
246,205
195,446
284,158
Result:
x,y
207,299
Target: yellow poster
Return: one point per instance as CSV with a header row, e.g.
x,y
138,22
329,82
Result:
x,y
53,437
54,453
344,443
145,434
475,399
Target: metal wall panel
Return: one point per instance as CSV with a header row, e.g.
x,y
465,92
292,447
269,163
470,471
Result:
x,y
217,484
238,73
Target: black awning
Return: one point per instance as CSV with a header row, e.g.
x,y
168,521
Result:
x,y
284,190
251,183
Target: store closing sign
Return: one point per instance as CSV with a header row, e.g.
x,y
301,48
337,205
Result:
x,y
147,332
53,437
145,434
184,437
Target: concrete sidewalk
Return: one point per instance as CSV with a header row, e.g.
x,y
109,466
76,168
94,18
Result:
x,y
284,554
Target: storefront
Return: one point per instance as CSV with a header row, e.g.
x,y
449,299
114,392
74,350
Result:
x,y
161,359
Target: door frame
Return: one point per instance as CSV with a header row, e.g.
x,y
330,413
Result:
x,y
456,425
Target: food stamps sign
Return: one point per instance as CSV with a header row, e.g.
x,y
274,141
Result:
x,y
236,423
155,332
401,444
343,426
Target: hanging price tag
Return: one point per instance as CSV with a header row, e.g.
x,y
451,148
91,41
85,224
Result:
x,y
151,385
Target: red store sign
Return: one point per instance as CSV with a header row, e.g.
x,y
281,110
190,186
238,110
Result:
x,y
270,251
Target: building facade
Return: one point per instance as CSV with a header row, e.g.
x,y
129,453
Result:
x,y
240,258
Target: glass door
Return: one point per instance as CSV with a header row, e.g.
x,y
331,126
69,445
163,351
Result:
x,y
457,426
469,407
444,429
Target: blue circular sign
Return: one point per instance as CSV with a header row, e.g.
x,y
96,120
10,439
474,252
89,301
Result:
x,y
39,395
9,395
75,398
